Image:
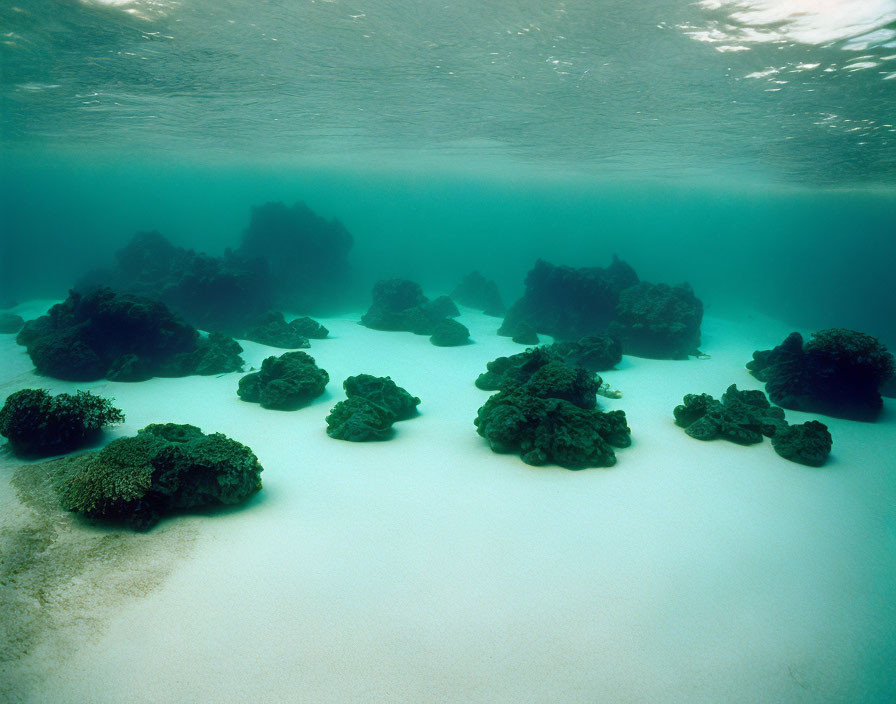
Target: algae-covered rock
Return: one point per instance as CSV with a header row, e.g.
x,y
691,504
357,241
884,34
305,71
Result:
x,y
284,382
514,369
358,420
658,321
10,323
743,417
383,393
569,303
36,423
450,333
129,337
478,292
399,304
307,327
163,468
807,443
273,330
838,372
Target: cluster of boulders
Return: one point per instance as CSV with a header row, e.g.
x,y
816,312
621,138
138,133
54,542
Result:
x,y
399,304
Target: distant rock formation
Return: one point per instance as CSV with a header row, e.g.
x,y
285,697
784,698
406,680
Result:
x,y
475,291
122,337
399,304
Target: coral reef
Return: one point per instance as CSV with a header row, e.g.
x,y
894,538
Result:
x,y
374,403
837,372
450,333
122,336
658,321
475,291
309,328
807,443
515,369
163,468
569,303
743,417
273,330
36,423
547,413
10,323
399,304
285,382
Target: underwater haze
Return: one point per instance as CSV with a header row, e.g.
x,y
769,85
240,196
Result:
x,y
746,147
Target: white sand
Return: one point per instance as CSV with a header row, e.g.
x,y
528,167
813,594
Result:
x,y
429,569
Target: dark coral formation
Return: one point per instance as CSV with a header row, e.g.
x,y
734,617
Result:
x,y
399,304
599,353
309,328
450,333
285,382
837,372
658,321
213,293
273,330
525,334
550,416
36,423
163,468
358,420
475,291
374,403
807,443
515,369
123,337
569,303
10,323
306,255
649,320
745,417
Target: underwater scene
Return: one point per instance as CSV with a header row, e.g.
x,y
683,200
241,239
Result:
x,y
501,351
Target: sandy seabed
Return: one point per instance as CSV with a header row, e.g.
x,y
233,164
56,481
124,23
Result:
x,y
429,569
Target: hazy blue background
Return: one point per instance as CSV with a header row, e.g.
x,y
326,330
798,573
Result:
x,y
749,154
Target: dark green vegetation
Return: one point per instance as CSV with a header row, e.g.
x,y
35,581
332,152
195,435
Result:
x,y
649,320
399,304
36,423
273,330
837,372
122,337
289,258
449,333
164,468
745,417
285,382
10,323
546,411
374,403
480,293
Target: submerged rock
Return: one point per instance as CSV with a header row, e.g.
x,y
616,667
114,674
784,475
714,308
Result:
x,y
658,321
284,382
525,334
807,443
598,353
36,423
838,372
478,292
399,304
743,417
273,330
163,468
374,403
450,333
126,336
307,327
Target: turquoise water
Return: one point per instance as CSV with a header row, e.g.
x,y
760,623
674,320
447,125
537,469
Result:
x,y
747,148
